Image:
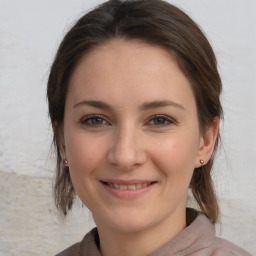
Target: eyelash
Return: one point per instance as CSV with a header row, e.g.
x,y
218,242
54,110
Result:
x,y
163,118
86,121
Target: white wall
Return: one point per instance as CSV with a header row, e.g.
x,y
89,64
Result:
x,y
29,35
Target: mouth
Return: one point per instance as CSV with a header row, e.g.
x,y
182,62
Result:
x,y
135,186
128,190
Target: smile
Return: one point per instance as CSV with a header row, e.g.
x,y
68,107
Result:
x,y
128,190
128,187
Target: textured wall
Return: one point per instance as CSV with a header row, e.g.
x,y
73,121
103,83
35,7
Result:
x,y
29,34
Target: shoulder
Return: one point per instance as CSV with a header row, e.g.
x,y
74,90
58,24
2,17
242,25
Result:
x,y
73,250
222,247
204,241
87,247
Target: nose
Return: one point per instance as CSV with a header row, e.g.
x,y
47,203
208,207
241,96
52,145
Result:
x,y
126,151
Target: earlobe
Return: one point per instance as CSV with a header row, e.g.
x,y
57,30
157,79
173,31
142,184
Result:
x,y
207,143
63,155
65,162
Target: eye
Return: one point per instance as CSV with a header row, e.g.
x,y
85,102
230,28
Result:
x,y
94,121
160,121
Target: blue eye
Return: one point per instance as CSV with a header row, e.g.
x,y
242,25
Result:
x,y
160,121
94,121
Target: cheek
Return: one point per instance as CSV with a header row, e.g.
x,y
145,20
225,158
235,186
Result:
x,y
175,155
84,154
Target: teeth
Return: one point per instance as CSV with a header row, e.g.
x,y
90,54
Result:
x,y
138,186
122,187
131,187
128,187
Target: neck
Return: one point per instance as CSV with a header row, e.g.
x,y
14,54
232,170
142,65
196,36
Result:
x,y
114,242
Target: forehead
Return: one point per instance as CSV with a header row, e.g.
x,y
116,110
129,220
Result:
x,y
133,54
120,68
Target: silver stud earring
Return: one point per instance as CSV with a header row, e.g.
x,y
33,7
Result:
x,y
201,161
65,161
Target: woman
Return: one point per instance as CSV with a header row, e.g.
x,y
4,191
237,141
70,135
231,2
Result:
x,y
134,102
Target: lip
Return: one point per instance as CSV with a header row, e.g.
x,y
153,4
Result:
x,y
126,182
127,193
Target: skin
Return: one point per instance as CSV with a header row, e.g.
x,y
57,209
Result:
x,y
126,142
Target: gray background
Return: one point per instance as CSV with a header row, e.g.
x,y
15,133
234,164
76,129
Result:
x,y
29,35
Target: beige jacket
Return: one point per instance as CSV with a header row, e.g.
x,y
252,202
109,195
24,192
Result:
x,y
197,239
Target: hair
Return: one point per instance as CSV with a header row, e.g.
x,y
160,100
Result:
x,y
158,23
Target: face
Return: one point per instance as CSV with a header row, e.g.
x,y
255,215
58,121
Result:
x,y
131,135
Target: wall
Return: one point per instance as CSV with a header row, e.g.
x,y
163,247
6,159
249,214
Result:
x,y
29,34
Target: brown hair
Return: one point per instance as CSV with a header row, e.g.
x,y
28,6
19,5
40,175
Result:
x,y
158,23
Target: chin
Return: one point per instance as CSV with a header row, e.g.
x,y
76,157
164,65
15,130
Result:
x,y
127,222
130,226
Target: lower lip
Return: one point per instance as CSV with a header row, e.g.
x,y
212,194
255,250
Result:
x,y
127,193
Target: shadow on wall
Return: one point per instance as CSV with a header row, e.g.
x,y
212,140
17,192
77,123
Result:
x,y
29,223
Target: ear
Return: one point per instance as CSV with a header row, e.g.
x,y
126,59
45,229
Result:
x,y
62,150
207,143
58,133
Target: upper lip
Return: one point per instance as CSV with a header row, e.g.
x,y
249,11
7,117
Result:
x,y
126,182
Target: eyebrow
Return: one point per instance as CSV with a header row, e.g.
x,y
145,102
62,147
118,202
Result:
x,y
143,107
159,104
94,103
